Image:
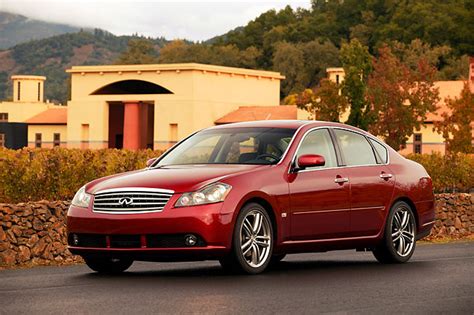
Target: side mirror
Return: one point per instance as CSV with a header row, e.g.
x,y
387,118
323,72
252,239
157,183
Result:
x,y
150,162
310,160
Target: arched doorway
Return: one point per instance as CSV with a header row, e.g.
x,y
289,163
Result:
x,y
131,123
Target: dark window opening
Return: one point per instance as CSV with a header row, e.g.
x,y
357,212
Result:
x,y
57,139
337,78
38,140
39,91
132,87
19,91
3,117
417,143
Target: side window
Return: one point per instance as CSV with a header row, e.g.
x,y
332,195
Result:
x,y
355,148
319,142
381,150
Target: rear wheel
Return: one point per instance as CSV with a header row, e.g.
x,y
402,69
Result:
x,y
399,242
252,242
108,265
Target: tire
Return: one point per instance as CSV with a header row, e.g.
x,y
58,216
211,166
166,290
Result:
x,y
399,239
252,242
108,265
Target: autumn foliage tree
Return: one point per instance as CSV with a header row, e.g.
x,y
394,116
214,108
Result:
x,y
323,102
399,97
457,125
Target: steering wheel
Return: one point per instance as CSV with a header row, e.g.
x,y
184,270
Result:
x,y
267,155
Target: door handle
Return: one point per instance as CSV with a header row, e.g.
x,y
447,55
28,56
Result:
x,y
386,176
341,180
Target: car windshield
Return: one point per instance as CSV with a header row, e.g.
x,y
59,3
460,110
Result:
x,y
231,146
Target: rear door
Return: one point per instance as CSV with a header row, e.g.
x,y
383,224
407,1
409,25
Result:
x,y
319,196
371,181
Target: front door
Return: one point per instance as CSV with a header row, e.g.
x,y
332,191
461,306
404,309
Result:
x,y
319,196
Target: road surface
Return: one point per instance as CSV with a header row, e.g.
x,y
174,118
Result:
x,y
439,278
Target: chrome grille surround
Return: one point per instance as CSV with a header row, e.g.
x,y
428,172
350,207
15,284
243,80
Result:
x,y
131,200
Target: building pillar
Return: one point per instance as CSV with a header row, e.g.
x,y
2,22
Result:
x,y
131,126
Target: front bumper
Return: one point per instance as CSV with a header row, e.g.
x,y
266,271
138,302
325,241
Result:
x,y
151,236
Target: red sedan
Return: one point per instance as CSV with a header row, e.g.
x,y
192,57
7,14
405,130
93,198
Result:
x,y
247,194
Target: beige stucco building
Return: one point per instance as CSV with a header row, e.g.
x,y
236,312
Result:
x,y
140,106
46,122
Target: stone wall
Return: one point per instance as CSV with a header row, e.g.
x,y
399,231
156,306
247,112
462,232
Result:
x,y
34,233
454,215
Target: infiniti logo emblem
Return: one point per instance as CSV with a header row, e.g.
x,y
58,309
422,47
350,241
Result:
x,y
127,201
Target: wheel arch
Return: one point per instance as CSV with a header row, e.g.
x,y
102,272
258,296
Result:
x,y
412,206
268,207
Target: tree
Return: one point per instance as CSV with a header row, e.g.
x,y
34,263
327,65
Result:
x,y
139,51
289,60
324,102
457,125
357,63
410,54
399,97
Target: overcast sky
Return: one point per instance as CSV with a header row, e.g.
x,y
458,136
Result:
x,y
194,20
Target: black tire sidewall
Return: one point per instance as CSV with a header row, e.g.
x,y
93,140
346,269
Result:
x,y
388,233
106,265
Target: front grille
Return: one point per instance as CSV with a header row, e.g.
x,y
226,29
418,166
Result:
x,y
131,200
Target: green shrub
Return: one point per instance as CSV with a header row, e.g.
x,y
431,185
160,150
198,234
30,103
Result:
x,y
56,174
450,173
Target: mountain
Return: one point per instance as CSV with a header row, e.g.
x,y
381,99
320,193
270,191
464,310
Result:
x,y
52,56
15,29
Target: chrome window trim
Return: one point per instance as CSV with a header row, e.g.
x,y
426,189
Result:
x,y
338,167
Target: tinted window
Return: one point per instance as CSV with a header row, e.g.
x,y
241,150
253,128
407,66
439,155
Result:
x,y
381,150
231,146
355,148
319,142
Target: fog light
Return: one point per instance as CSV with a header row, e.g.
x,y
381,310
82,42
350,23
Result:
x,y
190,240
75,239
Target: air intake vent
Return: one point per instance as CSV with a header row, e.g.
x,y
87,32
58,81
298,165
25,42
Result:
x,y
131,200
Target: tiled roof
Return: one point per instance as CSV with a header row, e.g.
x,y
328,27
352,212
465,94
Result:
x,y
252,113
52,116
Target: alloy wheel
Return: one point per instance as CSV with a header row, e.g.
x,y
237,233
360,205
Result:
x,y
255,238
403,231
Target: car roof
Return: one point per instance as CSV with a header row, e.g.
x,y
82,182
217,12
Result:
x,y
291,124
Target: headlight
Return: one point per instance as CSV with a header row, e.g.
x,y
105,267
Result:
x,y
210,194
81,198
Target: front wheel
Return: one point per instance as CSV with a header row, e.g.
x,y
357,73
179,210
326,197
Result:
x,y
252,242
399,242
108,265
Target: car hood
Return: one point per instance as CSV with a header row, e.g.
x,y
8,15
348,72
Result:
x,y
179,178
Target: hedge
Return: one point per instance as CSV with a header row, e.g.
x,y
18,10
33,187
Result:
x,y
450,173
56,174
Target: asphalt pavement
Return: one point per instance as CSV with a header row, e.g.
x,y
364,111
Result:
x,y
438,279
